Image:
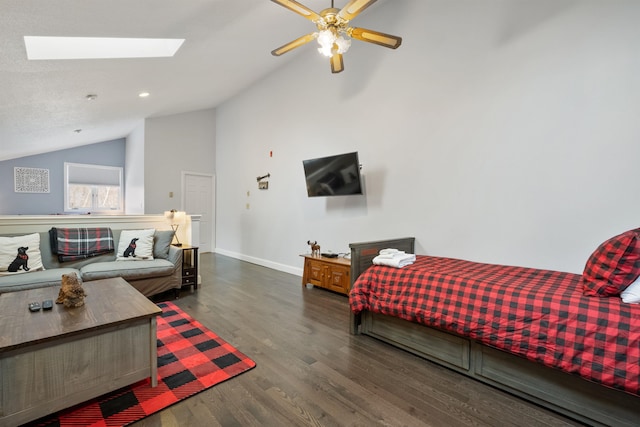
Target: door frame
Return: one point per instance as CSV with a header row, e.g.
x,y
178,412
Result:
x,y
183,180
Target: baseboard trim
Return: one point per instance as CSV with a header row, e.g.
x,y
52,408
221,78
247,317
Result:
x,y
262,262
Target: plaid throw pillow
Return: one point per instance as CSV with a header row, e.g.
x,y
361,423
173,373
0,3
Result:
x,y
613,266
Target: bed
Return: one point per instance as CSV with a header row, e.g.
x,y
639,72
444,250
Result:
x,y
457,328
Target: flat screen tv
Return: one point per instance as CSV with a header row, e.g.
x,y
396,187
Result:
x,y
333,176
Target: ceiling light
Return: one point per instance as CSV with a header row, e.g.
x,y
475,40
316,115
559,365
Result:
x,y
334,31
332,42
99,47
144,94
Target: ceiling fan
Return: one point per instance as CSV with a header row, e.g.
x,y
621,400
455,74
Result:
x,y
334,33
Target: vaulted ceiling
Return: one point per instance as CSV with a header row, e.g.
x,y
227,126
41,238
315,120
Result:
x,y
227,48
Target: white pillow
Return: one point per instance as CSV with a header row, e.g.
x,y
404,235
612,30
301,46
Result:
x,y
135,250
31,260
631,295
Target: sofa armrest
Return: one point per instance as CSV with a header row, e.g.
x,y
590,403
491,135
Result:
x,y
175,256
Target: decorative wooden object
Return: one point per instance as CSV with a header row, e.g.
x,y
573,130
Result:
x,y
315,247
71,291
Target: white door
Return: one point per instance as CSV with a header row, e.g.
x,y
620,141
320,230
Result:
x,y
197,190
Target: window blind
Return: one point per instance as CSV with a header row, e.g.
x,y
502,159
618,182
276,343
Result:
x,y
93,174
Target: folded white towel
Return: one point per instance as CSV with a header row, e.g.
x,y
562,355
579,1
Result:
x,y
399,261
389,251
392,255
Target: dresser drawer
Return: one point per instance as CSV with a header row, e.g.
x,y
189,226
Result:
x,y
188,280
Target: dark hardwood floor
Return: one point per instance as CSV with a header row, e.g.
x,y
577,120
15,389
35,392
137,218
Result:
x,y
311,372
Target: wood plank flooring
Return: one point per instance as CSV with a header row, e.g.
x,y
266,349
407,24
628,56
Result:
x,y
311,372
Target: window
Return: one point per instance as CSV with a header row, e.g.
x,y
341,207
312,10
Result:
x,y
92,188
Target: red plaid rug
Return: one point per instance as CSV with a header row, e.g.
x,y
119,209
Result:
x,y
191,358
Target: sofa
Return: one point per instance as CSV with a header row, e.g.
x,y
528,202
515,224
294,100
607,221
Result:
x,y
160,273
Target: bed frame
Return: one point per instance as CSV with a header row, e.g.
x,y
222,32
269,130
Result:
x,y
559,391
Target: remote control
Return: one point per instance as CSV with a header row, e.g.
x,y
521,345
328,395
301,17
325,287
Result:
x,y
34,306
47,305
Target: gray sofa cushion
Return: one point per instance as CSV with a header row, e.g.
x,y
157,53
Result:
x,y
34,279
128,270
161,241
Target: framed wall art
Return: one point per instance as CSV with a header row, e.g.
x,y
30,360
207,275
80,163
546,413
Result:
x,y
31,180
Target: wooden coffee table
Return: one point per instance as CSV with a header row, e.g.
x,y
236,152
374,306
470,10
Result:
x,y
51,360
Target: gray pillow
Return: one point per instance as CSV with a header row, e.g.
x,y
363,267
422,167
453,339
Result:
x,y
161,241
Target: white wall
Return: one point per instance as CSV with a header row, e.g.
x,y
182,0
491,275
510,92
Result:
x,y
181,142
134,172
499,131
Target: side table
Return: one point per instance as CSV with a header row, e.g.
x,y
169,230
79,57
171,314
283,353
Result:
x,y
189,265
327,273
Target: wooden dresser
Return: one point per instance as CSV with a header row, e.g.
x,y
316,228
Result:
x,y
328,273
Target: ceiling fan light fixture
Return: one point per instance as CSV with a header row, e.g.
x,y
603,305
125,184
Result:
x,y
343,43
334,33
332,42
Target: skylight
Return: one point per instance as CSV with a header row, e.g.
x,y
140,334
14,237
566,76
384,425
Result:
x,y
98,47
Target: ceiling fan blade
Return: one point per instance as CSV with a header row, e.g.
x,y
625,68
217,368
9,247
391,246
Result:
x,y
382,39
299,9
336,63
353,8
294,44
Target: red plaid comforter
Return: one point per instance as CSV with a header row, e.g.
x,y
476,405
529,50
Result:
x,y
538,314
